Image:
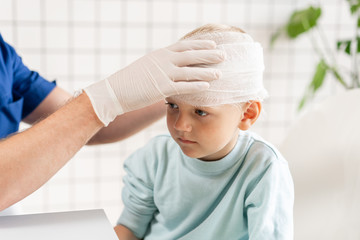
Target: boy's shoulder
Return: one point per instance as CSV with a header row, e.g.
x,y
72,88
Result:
x,y
151,154
260,148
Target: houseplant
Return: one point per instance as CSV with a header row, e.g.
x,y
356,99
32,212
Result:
x,y
306,21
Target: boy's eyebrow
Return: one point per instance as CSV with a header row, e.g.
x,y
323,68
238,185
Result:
x,y
169,99
205,108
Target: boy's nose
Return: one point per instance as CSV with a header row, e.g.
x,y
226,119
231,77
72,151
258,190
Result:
x,y
183,123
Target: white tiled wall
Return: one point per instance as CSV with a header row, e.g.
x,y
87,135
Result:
x,y
77,42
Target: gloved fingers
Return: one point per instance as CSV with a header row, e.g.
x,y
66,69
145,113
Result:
x,y
199,57
195,74
188,87
187,45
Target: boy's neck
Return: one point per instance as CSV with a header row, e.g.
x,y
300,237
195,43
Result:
x,y
223,152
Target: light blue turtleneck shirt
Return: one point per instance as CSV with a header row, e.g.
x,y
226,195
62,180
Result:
x,y
246,195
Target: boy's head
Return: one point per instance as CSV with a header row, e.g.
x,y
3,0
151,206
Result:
x,y
206,124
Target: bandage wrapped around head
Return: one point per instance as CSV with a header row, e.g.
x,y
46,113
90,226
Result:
x,y
242,71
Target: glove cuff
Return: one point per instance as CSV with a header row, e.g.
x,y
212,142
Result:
x,y
104,101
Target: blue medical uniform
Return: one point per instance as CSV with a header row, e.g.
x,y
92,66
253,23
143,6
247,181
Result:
x,y
21,90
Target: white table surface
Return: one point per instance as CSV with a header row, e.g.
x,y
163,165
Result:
x,y
75,225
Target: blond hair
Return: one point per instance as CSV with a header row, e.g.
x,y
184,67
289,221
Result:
x,y
209,28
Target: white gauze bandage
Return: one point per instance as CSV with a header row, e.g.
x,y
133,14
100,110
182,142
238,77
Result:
x,y
242,71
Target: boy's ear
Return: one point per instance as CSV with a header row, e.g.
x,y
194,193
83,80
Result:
x,y
250,115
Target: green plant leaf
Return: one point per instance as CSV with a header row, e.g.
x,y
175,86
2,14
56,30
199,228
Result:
x,y
302,102
319,75
345,45
354,5
338,77
315,84
301,21
354,9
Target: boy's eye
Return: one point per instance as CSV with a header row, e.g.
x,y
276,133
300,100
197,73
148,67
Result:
x,y
201,113
172,105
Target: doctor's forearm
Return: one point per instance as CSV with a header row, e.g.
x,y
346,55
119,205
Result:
x,y
129,123
122,127
29,159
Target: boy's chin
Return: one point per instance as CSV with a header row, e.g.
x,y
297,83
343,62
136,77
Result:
x,y
192,154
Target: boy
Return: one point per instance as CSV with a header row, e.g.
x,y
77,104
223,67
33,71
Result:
x,y
211,179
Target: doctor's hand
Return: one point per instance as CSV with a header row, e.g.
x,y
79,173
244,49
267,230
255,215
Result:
x,y
153,77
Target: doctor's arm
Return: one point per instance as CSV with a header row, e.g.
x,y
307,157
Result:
x,y
31,158
122,127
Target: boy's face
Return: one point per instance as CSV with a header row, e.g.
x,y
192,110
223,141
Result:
x,y
206,133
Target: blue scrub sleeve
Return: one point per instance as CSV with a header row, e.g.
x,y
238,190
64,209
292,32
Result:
x,y
28,84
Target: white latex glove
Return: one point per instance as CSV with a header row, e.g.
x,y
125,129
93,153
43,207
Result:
x,y
153,77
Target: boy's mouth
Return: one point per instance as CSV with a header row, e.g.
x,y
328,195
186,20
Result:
x,y
186,141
